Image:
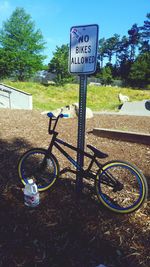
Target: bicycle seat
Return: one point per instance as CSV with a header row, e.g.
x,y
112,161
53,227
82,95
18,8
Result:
x,y
97,152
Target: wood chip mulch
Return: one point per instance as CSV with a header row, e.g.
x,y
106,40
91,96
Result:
x,y
65,230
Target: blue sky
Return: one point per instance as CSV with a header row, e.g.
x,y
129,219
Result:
x,y
55,17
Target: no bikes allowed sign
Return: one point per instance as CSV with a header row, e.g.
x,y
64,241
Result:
x,y
83,49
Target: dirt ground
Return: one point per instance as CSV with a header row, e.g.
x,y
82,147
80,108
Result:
x,y
64,230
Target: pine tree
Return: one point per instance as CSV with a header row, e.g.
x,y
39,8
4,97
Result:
x,y
21,46
59,65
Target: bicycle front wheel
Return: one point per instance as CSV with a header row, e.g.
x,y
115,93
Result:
x,y
121,187
41,167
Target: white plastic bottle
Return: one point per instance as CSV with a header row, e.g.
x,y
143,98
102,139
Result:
x,y
31,194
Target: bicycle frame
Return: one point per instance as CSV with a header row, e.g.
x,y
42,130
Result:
x,y
86,173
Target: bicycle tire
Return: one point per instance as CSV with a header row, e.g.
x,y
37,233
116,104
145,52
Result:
x,y
134,187
30,166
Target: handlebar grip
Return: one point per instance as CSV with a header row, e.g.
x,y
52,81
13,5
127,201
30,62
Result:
x,y
50,115
65,115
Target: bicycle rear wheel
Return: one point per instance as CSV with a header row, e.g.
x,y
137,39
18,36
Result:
x,y
121,187
42,168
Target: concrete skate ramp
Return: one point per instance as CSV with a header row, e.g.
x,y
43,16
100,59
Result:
x,y
13,98
139,108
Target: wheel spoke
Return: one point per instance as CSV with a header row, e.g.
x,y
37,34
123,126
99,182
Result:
x,y
34,163
121,187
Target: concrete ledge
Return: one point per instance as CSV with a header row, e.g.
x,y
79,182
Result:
x,y
123,136
136,108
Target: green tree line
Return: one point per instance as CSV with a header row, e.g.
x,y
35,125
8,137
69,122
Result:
x,y
124,58
128,58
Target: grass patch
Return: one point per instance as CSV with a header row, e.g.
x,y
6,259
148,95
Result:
x,y
99,98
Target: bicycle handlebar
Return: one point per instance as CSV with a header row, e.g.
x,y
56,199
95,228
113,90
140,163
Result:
x,y
52,117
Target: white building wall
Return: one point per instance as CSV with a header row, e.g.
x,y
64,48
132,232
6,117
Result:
x,y
13,98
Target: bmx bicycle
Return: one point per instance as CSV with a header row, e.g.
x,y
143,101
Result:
x,y
119,185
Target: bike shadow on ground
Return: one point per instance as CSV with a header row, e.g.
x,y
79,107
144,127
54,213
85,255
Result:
x,y
65,229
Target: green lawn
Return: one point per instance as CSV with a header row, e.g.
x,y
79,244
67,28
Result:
x,y
99,98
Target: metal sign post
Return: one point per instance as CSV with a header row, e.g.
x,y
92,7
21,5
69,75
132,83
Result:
x,y
83,60
81,129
